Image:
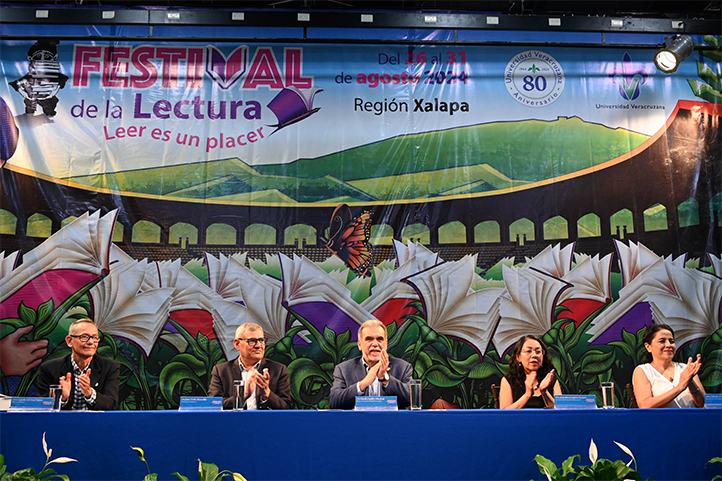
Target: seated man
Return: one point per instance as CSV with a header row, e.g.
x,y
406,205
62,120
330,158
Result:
x,y
89,382
372,374
267,383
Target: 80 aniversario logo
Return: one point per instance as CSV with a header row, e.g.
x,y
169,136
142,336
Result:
x,y
534,78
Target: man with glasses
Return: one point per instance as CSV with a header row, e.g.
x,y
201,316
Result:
x,y
267,383
89,382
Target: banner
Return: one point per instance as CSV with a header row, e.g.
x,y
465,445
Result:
x,y
463,195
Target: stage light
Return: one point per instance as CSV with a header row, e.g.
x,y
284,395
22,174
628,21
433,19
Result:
x,y
675,49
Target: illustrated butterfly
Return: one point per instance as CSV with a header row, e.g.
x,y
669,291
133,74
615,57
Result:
x,y
349,239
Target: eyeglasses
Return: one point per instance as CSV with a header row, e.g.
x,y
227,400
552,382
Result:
x,y
528,352
252,341
86,338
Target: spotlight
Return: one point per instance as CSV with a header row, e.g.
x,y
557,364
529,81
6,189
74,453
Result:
x,y
675,49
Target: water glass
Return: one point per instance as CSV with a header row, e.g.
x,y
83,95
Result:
x,y
608,395
239,395
415,388
55,392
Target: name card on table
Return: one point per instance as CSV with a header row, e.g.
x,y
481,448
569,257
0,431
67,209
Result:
x,y
31,404
194,403
575,401
376,403
713,401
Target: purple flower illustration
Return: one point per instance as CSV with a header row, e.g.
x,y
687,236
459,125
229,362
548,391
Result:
x,y
629,80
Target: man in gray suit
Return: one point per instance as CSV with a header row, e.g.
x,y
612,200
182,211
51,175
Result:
x,y
372,374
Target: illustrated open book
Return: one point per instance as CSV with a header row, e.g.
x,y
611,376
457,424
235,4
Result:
x,y
292,105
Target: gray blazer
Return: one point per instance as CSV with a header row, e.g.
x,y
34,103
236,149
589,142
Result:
x,y
348,373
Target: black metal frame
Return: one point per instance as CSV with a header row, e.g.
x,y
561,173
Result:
x,y
353,19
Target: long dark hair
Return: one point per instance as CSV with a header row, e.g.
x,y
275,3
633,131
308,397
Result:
x,y
515,373
649,333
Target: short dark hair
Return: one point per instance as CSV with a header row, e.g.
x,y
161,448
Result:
x,y
649,334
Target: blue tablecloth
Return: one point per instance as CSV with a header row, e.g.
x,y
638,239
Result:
x,y
335,445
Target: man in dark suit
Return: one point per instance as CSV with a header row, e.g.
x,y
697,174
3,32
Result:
x,y
267,383
372,374
89,382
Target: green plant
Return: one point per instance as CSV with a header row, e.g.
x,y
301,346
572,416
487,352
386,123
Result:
x,y
715,460
28,474
44,321
711,350
601,469
710,88
440,362
209,472
577,370
189,372
206,471
141,454
310,368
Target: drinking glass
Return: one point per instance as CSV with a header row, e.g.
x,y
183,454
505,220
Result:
x,y
415,388
239,395
608,395
55,392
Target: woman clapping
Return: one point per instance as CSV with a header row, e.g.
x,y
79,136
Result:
x,y
663,383
529,381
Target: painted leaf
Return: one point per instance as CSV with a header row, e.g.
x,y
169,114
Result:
x,y
442,376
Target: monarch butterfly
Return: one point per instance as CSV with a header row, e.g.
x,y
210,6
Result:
x,y
349,239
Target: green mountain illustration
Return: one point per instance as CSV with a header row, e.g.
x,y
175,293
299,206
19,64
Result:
x,y
465,160
529,150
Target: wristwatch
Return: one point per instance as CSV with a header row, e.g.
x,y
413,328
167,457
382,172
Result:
x,y
386,378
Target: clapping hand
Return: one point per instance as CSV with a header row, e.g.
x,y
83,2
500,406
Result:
x,y
690,370
261,381
370,376
377,371
66,384
84,383
264,383
383,365
530,383
547,381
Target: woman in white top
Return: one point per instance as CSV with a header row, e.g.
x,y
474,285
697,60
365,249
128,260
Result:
x,y
663,383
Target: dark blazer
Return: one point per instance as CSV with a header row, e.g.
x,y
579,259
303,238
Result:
x,y
225,373
348,373
104,375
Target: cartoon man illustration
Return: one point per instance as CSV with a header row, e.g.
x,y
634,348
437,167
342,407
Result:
x,y
43,80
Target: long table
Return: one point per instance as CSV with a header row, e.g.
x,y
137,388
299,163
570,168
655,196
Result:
x,y
336,445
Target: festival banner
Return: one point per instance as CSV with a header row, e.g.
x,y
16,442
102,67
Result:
x,y
464,195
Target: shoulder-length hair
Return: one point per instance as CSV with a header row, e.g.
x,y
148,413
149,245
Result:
x,y
515,373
